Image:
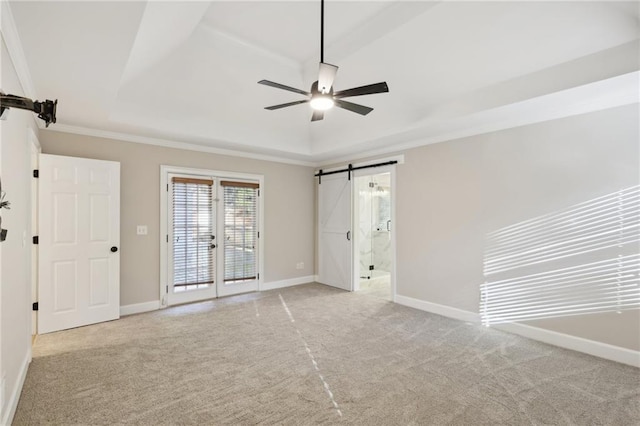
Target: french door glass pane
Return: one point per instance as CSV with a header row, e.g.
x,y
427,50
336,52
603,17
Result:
x,y
193,230
240,232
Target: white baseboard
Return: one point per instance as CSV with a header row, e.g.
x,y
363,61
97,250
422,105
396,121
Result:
x,y
436,308
579,344
138,308
12,403
287,283
591,347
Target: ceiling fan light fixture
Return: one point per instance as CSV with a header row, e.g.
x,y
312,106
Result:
x,y
321,97
321,102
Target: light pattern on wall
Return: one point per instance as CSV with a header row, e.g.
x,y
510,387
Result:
x,y
583,259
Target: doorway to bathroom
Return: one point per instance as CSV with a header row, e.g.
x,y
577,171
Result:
x,y
373,226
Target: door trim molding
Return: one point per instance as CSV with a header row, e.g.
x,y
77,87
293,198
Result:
x,y
164,216
35,150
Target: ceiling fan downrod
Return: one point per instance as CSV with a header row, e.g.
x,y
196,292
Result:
x,y
321,30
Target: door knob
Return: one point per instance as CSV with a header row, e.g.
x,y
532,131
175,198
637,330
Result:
x,y
213,246
114,249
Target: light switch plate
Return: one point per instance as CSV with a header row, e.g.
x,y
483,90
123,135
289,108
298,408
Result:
x,y
142,230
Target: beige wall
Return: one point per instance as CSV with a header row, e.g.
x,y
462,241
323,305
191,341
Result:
x,y
451,194
288,199
15,255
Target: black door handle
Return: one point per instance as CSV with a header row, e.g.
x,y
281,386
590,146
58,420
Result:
x,y
348,235
114,249
212,246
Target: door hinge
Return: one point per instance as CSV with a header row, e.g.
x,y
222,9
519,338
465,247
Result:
x,y
35,306
258,276
36,173
258,192
167,237
36,240
371,267
258,234
167,289
167,187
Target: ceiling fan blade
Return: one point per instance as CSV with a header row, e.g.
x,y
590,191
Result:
x,y
326,76
317,115
283,87
360,109
288,104
363,90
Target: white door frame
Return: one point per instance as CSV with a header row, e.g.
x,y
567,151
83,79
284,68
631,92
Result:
x,y
35,150
356,239
165,170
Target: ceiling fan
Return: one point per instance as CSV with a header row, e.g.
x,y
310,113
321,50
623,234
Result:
x,y
321,97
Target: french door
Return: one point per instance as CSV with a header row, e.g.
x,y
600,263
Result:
x,y
192,243
212,237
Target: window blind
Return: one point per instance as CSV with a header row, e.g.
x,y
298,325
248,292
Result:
x,y
240,230
193,262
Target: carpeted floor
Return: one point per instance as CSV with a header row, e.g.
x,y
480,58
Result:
x,y
312,354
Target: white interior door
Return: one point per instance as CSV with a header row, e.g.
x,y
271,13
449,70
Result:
x,y
334,231
79,239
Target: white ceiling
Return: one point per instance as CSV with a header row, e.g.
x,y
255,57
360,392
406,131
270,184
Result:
x,y
187,71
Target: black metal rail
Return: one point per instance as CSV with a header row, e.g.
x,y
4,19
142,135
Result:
x,y
350,169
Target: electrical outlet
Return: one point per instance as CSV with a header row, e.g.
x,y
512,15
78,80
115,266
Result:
x,y
141,230
300,265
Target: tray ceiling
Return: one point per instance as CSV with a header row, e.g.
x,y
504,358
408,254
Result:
x,y
187,72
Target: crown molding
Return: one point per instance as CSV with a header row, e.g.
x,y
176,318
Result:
x,y
166,143
600,95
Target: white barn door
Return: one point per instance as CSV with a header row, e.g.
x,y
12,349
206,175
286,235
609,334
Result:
x,y
334,229
79,241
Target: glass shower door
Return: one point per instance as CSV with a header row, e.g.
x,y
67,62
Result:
x,y
374,226
381,227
